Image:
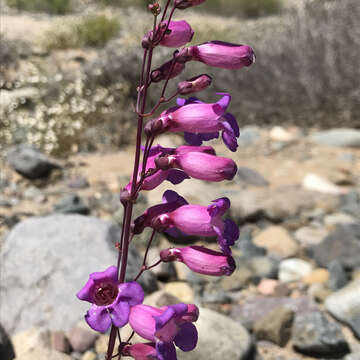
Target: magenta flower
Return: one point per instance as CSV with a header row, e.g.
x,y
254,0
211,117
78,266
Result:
x,y
111,301
184,4
176,217
203,166
223,55
201,121
165,327
201,260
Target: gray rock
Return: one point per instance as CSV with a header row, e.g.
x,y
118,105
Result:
x,y
6,348
246,245
345,305
275,326
249,135
82,339
49,259
60,342
71,204
258,307
78,182
315,335
263,267
219,338
338,278
250,177
343,244
342,137
29,162
351,204
294,269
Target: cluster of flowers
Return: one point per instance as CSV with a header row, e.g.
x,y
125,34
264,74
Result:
x,y
116,303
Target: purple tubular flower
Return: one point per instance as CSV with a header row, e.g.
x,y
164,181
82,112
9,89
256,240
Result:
x,y
223,55
111,301
204,166
166,326
178,34
201,260
200,121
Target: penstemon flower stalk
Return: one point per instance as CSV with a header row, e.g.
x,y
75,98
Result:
x,y
115,302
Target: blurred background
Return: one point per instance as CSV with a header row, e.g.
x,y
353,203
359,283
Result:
x,y
68,77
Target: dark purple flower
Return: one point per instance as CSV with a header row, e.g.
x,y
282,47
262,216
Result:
x,y
111,301
165,327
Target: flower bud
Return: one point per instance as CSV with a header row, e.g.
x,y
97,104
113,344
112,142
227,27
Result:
x,y
201,260
153,127
155,9
163,162
184,55
178,34
162,72
223,55
140,351
124,196
195,84
184,4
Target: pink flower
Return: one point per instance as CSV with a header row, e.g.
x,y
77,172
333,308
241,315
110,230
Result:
x,y
201,260
140,351
184,4
201,121
163,71
166,326
111,301
223,55
191,220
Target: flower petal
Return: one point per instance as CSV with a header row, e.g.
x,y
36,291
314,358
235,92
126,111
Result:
x,y
98,318
176,176
186,339
119,313
165,350
131,292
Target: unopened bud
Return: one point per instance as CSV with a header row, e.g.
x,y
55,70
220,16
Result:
x,y
124,196
162,72
155,9
145,43
195,84
168,255
184,4
160,223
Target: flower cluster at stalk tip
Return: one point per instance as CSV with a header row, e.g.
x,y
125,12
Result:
x,y
114,302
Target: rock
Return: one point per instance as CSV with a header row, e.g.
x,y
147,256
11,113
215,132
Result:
x,y
34,194
338,218
246,245
161,298
59,342
89,355
6,347
270,351
250,177
350,204
14,97
315,335
78,182
338,278
267,286
263,267
319,292
180,290
238,279
294,269
82,338
342,137
43,354
255,308
29,162
67,248
343,244
275,326
344,305
71,204
317,276
249,135
234,342
278,133
314,182
309,235
276,240
353,356
101,344
29,340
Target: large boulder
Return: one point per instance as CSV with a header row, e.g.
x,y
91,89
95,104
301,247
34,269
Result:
x,y
45,261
